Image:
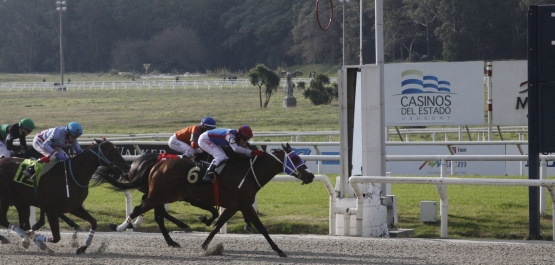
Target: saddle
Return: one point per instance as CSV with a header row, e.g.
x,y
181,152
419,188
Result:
x,y
40,169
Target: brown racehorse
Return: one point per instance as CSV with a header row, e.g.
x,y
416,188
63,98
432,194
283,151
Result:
x,y
239,181
60,190
140,168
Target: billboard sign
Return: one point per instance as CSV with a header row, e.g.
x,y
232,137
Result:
x,y
434,94
509,93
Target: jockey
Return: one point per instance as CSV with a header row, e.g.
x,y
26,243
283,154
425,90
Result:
x,y
212,142
8,133
51,141
185,141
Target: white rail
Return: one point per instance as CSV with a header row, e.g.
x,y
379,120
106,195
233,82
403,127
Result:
x,y
440,185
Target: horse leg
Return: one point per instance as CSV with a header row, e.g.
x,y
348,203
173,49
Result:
x,y
250,214
40,222
174,220
4,206
138,210
83,214
159,218
248,226
24,212
207,207
70,222
40,240
227,213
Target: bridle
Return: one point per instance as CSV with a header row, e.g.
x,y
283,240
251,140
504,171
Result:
x,y
101,158
288,167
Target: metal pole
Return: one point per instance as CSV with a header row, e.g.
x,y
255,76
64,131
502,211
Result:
x,y
61,50
360,53
343,33
490,102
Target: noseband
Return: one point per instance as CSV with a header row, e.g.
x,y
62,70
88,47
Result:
x,y
288,166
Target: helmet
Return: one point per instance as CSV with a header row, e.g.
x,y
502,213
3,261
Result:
x,y
27,124
74,128
245,132
209,122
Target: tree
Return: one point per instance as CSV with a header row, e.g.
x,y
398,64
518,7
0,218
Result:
x,y
320,92
261,76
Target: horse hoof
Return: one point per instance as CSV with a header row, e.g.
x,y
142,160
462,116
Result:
x,y
114,227
4,240
283,255
81,250
31,235
187,230
248,229
50,252
26,242
204,247
77,229
174,244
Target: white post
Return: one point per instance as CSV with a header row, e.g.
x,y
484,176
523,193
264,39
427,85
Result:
x,y
543,176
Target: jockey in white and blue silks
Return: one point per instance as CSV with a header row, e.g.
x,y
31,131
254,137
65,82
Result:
x,y
51,141
212,142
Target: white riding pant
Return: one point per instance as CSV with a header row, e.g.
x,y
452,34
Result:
x,y
4,152
38,143
182,147
211,148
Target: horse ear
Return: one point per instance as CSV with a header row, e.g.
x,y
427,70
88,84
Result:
x,y
97,141
288,146
282,147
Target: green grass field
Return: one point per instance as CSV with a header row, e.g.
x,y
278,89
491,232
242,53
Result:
x,y
474,211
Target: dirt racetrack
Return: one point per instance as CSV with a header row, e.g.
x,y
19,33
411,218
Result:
x,y
150,248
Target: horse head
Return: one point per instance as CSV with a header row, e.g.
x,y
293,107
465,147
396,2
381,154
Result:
x,y
109,156
295,166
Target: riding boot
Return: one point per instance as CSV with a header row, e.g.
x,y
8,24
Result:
x,y
30,172
209,176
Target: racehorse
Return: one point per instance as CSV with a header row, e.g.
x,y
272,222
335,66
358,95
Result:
x,y
140,168
62,189
236,188
23,217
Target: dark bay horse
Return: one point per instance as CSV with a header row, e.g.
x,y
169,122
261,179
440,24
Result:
x,y
240,180
23,217
60,190
140,169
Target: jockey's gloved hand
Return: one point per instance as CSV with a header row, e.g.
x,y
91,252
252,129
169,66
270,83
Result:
x,y
61,157
257,152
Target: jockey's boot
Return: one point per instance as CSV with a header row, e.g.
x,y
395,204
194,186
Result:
x,y
209,176
30,172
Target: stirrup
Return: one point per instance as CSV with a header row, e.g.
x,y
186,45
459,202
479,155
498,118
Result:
x,y
209,178
29,171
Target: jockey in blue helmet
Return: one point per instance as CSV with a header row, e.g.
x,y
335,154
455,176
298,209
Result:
x,y
51,141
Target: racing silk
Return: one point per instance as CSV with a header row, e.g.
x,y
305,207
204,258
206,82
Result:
x,y
12,132
190,135
56,138
226,137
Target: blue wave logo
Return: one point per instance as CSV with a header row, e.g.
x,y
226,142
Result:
x,y
415,82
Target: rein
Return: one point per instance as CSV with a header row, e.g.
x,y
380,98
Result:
x,y
101,157
288,167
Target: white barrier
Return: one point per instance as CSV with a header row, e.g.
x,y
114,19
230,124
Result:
x,y
440,185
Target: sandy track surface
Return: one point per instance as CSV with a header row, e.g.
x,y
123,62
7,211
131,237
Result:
x,y
150,248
